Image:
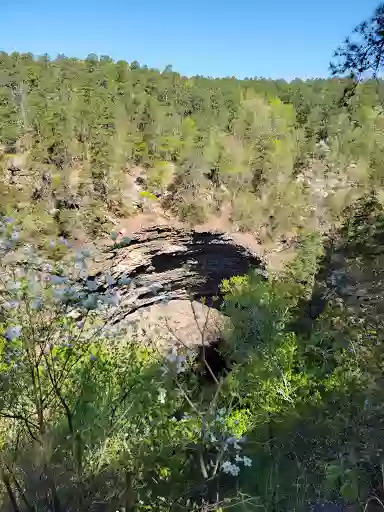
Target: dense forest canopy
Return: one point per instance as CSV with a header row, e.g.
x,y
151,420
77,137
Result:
x,y
283,409
77,126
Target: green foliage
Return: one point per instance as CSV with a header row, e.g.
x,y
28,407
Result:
x,y
73,128
301,272
106,420
160,176
87,416
101,418
364,52
300,390
363,230
246,211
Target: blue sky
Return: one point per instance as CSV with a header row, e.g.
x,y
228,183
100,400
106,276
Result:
x,y
273,38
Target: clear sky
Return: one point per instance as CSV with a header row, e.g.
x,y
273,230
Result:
x,y
275,38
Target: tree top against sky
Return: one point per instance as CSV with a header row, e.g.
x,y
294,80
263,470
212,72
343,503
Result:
x,y
277,40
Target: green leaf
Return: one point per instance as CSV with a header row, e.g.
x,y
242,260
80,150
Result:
x,y
349,490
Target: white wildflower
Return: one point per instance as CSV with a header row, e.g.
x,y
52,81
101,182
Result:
x,y
235,470
247,462
178,360
235,442
226,466
13,332
180,364
162,395
229,468
171,356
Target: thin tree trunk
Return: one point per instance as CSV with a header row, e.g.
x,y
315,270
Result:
x,y
12,498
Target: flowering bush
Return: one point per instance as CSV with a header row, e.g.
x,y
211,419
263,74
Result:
x,y
90,418
80,401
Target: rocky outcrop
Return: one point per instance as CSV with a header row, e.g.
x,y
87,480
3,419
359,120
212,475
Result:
x,y
161,266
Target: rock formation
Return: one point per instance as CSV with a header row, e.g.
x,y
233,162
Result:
x,y
166,271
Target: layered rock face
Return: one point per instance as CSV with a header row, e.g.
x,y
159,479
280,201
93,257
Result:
x,y
167,273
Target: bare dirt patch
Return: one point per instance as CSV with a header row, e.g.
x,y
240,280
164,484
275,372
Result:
x,y
147,220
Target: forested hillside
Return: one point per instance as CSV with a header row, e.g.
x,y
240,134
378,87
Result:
x,y
273,399
277,156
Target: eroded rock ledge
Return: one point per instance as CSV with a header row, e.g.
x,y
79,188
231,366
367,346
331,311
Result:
x,y
167,265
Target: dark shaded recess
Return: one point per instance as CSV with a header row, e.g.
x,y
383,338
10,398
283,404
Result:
x,y
213,359
216,360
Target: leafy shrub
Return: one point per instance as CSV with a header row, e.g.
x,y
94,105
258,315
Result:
x,y
300,393
160,176
88,416
95,416
247,211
